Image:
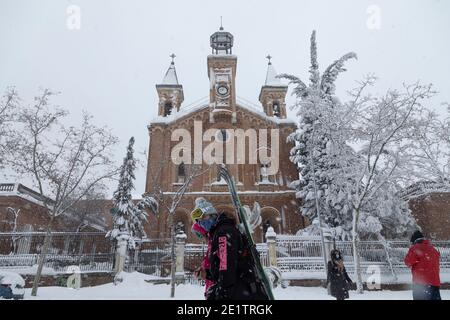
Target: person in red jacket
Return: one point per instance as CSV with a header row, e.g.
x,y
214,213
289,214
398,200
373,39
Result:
x,y
423,259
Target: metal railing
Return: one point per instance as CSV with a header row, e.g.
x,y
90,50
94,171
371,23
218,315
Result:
x,y
92,252
7,187
88,251
305,254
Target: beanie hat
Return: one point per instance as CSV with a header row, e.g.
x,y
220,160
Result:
x,y
417,235
204,206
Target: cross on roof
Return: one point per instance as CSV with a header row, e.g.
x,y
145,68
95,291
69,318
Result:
x,y
268,58
173,57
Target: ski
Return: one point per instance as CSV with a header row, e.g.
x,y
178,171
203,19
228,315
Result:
x,y
245,230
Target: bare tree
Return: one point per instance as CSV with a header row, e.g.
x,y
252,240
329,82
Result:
x,y
65,163
90,208
170,201
7,104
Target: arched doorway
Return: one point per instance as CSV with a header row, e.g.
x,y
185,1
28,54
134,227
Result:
x,y
270,218
182,222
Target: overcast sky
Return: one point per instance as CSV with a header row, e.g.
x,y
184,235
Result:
x,y
110,65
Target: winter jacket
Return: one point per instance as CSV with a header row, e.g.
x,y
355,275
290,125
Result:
x,y
206,265
339,281
232,276
423,259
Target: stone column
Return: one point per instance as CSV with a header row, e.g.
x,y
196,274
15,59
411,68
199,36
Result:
x,y
179,252
272,245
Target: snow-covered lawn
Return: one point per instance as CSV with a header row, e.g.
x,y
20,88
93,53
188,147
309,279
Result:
x,y
134,287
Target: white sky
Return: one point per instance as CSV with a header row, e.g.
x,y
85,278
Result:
x,y
111,65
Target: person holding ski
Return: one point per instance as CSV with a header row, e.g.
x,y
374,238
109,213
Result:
x,y
230,263
423,259
337,276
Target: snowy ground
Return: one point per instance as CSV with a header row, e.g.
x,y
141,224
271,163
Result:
x,y
135,288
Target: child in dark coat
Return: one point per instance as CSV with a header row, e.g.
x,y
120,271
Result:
x,y
337,276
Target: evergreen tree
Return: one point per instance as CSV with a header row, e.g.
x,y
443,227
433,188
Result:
x,y
128,217
313,142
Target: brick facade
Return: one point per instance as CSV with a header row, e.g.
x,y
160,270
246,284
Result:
x,y
223,112
432,213
277,200
33,216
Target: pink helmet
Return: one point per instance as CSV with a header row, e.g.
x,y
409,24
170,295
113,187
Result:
x,y
198,231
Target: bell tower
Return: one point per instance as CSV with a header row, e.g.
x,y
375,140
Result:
x,y
273,93
170,92
222,74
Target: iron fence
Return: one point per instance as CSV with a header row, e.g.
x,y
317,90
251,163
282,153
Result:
x,y
296,253
92,252
89,251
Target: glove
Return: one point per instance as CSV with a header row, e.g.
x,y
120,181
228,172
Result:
x,y
217,293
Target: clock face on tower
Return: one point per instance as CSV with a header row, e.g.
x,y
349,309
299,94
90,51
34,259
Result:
x,y
222,90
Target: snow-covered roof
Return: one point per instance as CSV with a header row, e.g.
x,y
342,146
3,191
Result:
x,y
171,76
19,190
253,108
422,188
203,103
271,77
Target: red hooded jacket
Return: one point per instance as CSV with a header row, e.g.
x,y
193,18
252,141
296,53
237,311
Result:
x,y
423,259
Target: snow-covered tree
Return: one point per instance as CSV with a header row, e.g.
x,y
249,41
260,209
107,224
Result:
x,y
7,104
129,217
89,210
312,142
354,157
431,153
63,162
379,129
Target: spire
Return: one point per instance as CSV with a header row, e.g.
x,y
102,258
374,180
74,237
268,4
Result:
x,y
273,93
170,92
170,77
271,75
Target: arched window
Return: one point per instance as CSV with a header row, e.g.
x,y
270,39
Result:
x,y
276,109
222,136
180,227
168,109
181,174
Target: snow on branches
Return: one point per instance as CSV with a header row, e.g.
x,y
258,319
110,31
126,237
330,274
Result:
x,y
128,217
312,142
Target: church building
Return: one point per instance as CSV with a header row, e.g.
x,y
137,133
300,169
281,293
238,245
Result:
x,y
263,130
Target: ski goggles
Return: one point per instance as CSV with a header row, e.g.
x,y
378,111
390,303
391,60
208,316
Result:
x,y
196,214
